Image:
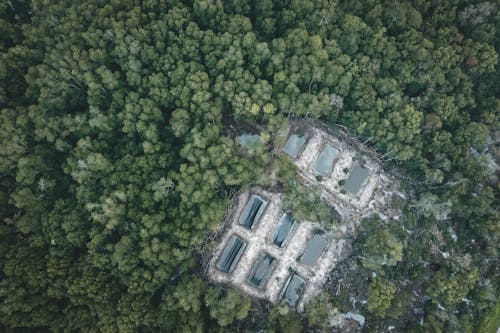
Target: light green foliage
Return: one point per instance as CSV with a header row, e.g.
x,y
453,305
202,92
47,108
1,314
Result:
x,y
385,299
380,295
381,248
450,290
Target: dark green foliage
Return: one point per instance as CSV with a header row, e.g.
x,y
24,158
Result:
x,y
228,307
115,165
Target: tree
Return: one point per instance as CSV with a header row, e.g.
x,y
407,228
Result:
x,y
449,290
380,296
226,307
381,248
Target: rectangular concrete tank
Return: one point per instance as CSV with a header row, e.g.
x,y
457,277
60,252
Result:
x,y
292,289
252,211
325,160
294,144
283,229
356,178
263,267
314,249
231,254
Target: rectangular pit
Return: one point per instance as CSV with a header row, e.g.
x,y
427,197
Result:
x,y
314,249
252,211
302,253
356,178
350,152
283,229
293,289
263,267
271,279
294,144
324,163
231,254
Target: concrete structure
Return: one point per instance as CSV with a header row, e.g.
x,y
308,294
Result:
x,y
266,253
349,173
281,259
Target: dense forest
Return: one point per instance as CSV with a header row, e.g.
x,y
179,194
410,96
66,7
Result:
x,y
116,166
